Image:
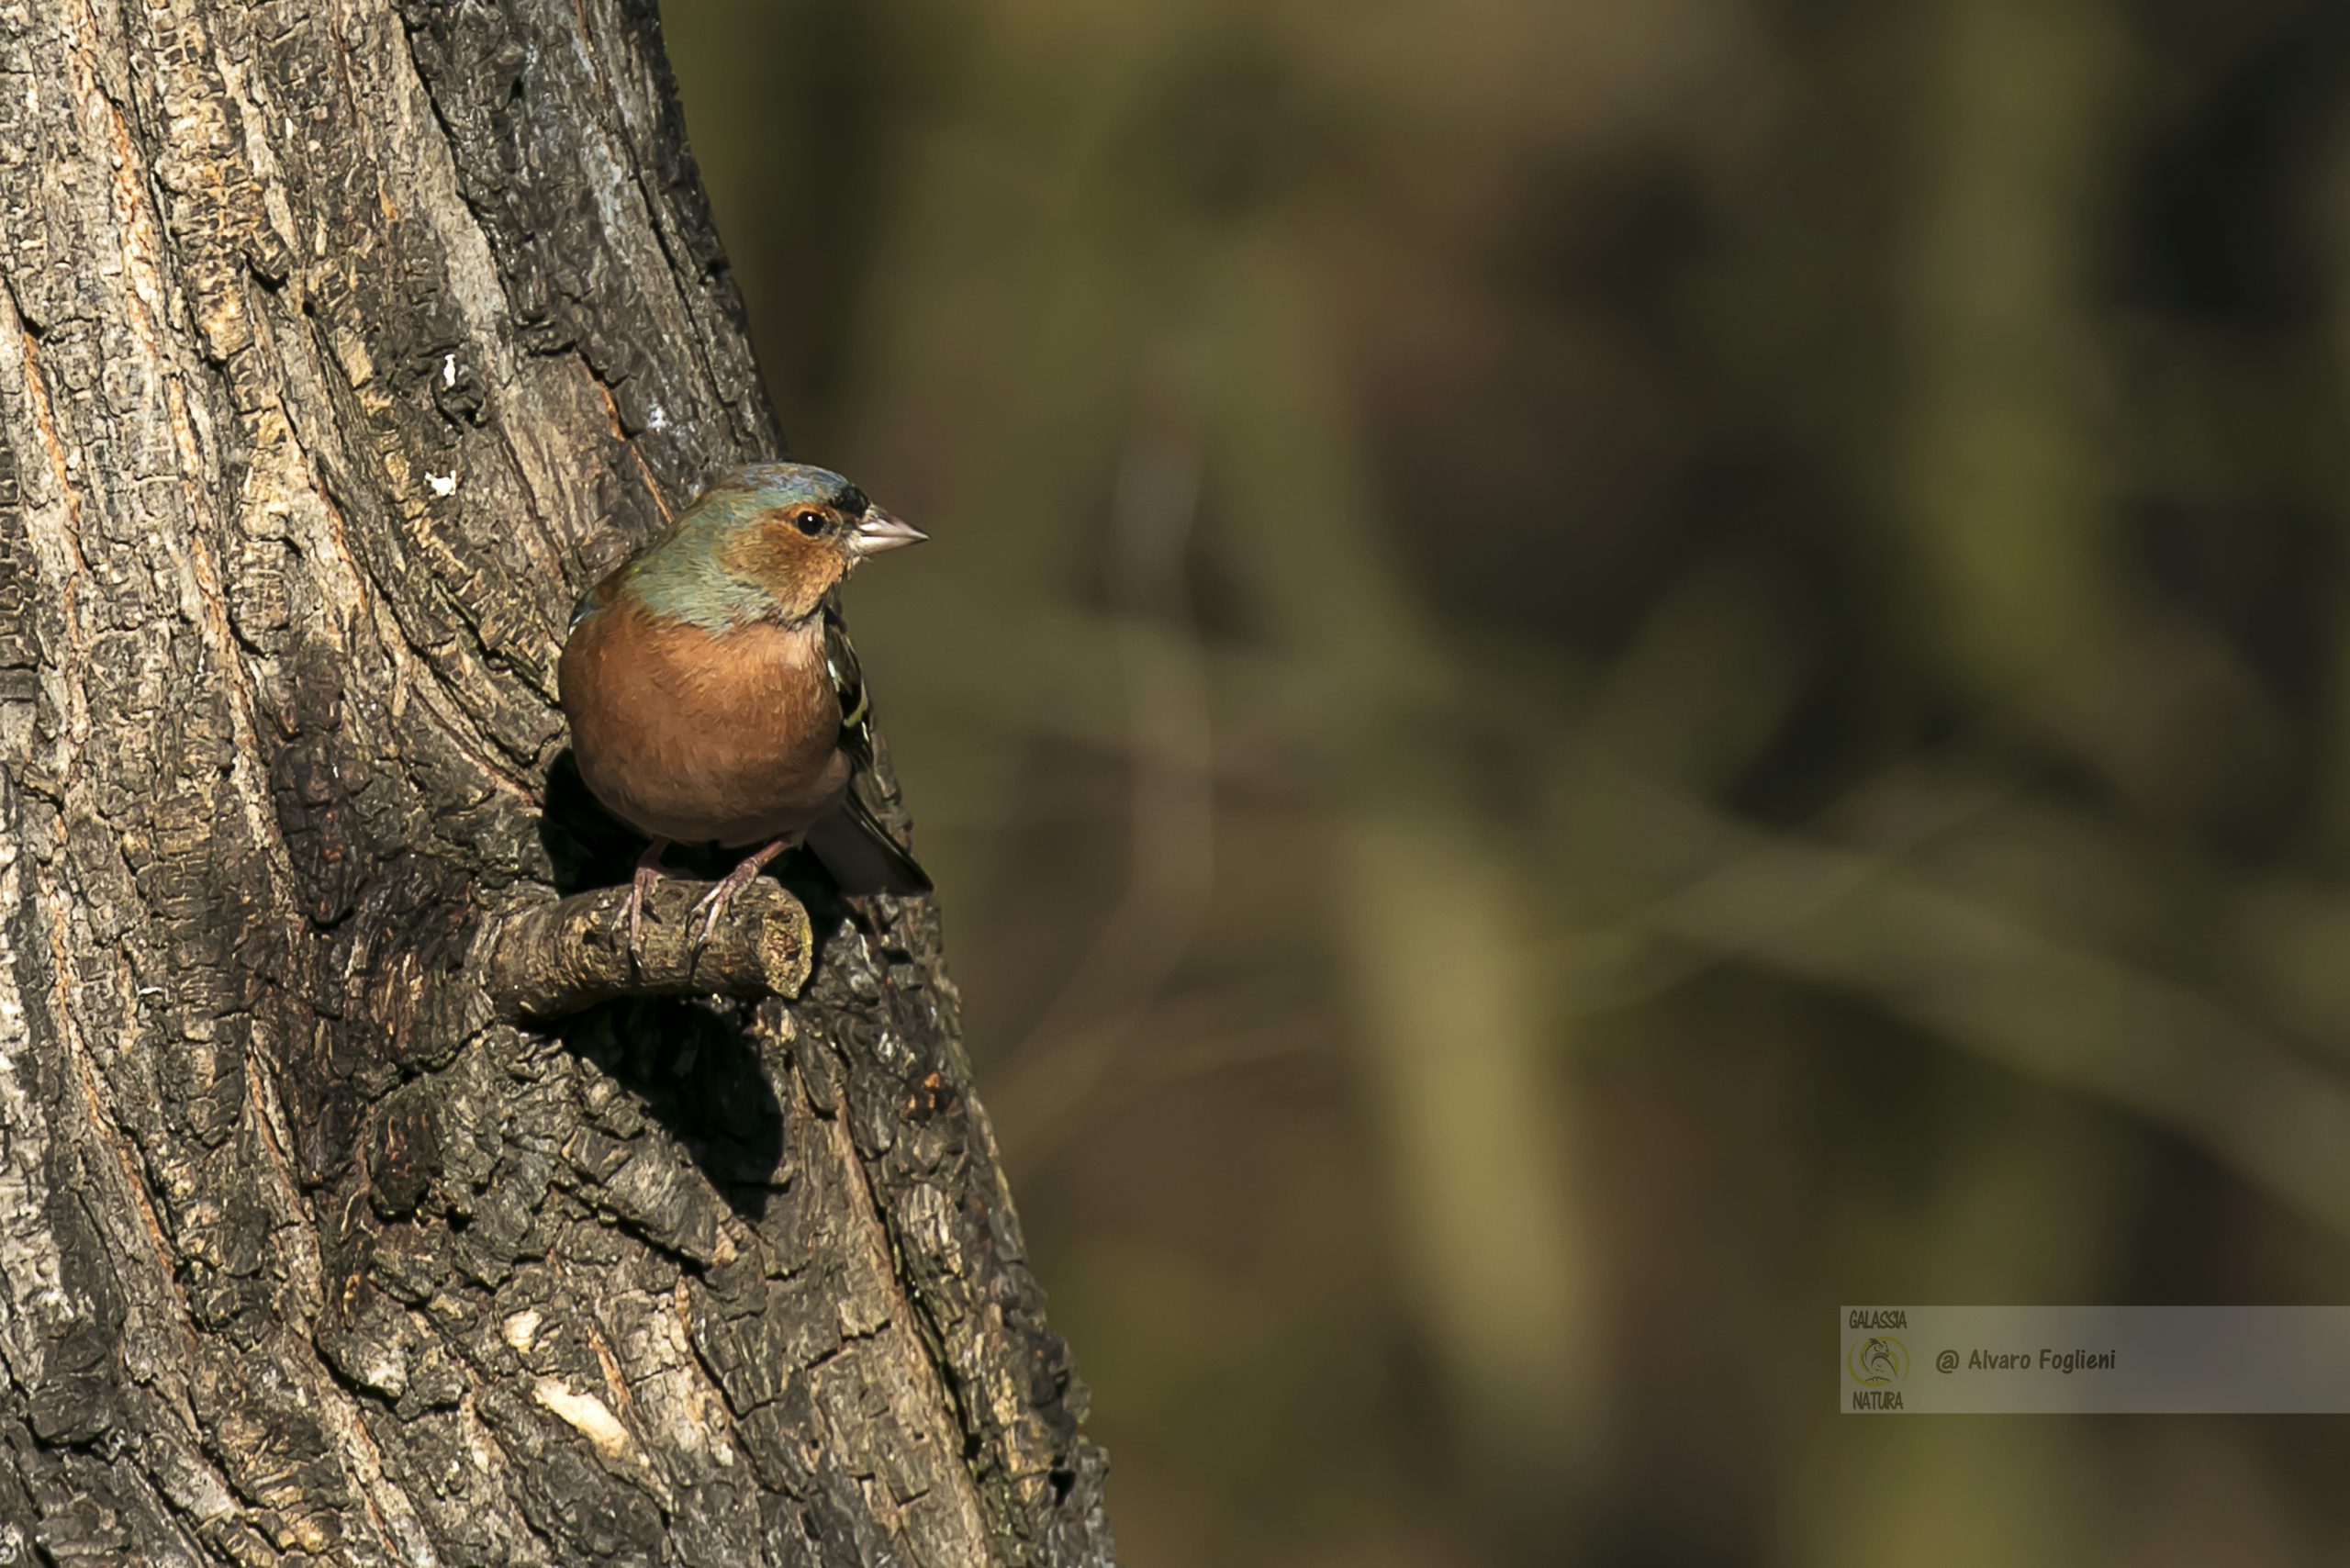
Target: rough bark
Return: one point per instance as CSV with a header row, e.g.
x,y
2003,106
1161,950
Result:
x,y
342,343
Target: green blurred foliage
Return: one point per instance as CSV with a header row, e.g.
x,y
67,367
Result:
x,y
1594,677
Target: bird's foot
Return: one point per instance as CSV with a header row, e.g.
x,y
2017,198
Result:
x,y
631,914
713,903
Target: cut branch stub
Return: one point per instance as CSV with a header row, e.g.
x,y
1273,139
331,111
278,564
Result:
x,y
551,960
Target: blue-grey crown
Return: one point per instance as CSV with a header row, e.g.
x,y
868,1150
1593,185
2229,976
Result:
x,y
766,485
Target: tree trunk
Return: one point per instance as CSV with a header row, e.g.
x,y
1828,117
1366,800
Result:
x,y
359,1203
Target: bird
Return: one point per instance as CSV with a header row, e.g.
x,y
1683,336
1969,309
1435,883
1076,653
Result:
x,y
713,694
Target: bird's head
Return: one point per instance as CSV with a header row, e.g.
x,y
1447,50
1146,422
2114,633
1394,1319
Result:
x,y
795,532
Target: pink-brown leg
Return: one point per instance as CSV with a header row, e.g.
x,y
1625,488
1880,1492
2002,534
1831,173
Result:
x,y
715,901
648,871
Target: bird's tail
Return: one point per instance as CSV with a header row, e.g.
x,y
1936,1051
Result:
x,y
862,857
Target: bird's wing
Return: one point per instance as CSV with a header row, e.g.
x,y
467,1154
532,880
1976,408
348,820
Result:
x,y
851,842
848,685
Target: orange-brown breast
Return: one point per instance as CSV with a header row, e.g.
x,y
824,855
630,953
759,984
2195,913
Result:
x,y
693,735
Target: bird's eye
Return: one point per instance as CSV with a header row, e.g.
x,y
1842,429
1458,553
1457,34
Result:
x,y
808,522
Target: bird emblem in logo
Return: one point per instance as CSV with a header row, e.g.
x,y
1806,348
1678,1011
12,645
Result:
x,y
1877,1361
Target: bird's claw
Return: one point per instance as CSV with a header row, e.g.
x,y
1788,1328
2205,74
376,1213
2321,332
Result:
x,y
632,911
714,904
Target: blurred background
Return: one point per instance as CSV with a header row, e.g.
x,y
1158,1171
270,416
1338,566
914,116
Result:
x,y
1596,677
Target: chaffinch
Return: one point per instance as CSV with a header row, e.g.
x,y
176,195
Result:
x,y
713,694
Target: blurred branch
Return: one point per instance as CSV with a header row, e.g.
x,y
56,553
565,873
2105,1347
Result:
x,y
1170,756
1977,978
1620,965
1427,901
2075,1017
1192,1037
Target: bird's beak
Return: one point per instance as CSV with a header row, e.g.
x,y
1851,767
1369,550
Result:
x,y
877,531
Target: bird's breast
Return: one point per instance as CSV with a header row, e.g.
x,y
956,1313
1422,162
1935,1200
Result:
x,y
693,736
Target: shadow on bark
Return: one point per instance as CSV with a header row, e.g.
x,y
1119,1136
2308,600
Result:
x,y
697,1069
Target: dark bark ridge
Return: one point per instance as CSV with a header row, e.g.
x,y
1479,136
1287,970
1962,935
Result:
x,y
355,1206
